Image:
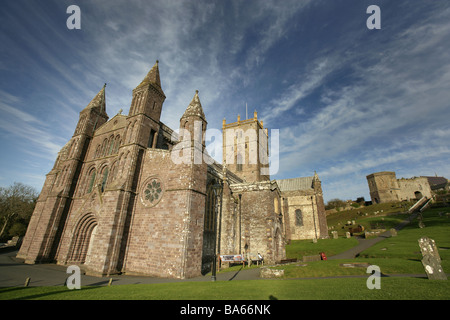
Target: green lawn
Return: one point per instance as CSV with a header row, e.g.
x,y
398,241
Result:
x,y
299,248
343,288
406,246
364,215
395,255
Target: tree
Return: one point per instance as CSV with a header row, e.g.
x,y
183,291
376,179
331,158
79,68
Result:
x,y
335,204
17,203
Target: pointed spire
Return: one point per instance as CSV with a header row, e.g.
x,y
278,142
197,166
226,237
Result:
x,y
152,77
194,108
99,101
316,176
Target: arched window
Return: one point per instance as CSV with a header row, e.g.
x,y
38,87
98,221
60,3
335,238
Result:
x,y
239,162
276,205
210,210
105,178
298,218
117,144
111,145
91,180
104,146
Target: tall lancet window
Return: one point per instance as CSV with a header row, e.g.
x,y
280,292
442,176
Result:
x,y
91,180
105,178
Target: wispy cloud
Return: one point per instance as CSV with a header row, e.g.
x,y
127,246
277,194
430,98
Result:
x,y
344,98
391,117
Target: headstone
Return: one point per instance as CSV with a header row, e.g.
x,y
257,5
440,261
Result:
x,y
355,265
428,247
393,232
433,268
335,234
421,224
431,260
347,234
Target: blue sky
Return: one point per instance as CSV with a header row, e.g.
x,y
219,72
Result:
x,y
348,101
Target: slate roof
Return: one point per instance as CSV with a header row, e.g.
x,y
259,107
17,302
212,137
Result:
x,y
437,182
294,184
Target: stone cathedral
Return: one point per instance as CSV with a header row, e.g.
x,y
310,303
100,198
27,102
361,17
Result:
x,y
115,200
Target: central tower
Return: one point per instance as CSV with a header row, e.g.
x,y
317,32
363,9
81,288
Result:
x,y
245,149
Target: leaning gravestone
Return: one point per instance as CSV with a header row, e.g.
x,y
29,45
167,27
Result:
x,y
431,260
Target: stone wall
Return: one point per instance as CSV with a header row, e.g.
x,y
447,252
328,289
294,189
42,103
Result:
x,y
305,201
261,227
166,233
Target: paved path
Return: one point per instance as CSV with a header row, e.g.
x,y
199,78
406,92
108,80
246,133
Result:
x,y
14,273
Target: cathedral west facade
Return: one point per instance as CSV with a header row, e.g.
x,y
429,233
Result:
x,y
117,201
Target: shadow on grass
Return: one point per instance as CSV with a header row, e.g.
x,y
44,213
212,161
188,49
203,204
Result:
x,y
38,295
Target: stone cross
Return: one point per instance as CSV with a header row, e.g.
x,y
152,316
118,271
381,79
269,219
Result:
x,y
335,234
431,260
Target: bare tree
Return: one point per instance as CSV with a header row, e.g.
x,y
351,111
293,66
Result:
x,y
17,203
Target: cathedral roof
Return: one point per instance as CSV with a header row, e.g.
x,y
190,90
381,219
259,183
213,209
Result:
x,y
295,184
194,108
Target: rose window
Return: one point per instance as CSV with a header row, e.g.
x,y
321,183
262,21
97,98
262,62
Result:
x,y
152,192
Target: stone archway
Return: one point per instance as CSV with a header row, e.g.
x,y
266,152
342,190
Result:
x,y
82,240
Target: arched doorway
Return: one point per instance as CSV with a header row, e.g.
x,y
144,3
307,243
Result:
x,y
83,239
418,195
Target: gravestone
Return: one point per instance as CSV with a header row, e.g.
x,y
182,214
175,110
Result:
x,y
347,234
335,234
428,247
393,232
431,260
421,224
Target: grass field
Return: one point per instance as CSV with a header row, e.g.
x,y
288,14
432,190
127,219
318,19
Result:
x,y
310,289
395,255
